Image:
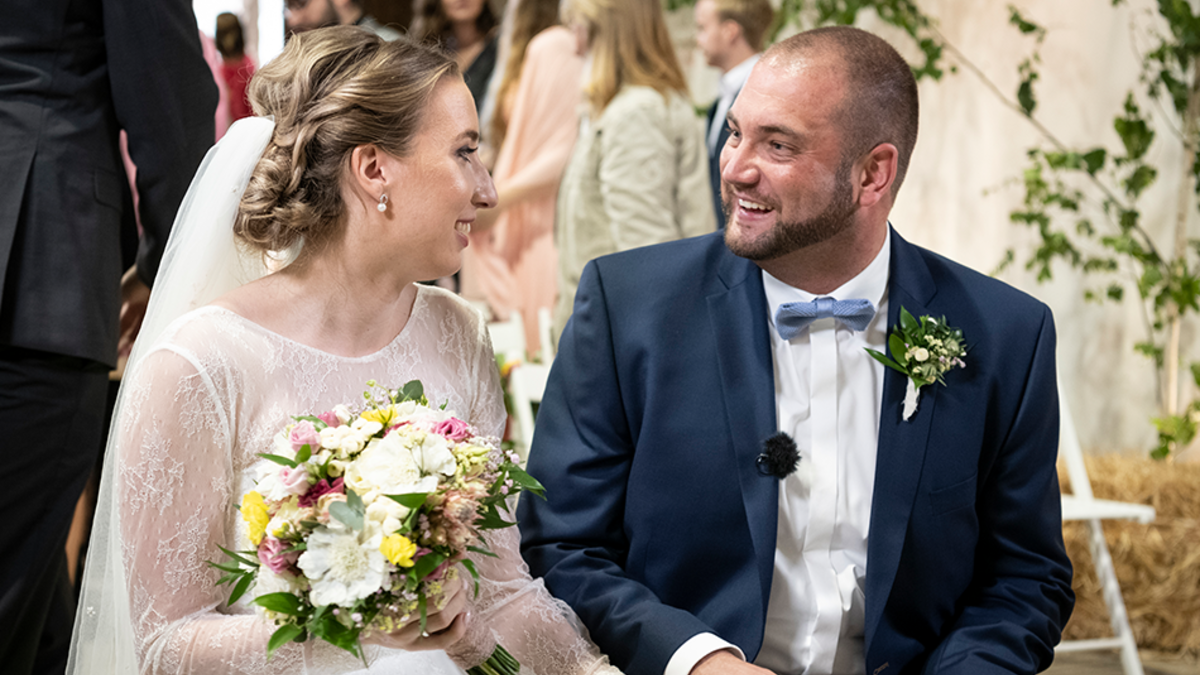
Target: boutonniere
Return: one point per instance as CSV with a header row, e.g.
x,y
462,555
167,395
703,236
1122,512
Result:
x,y
924,350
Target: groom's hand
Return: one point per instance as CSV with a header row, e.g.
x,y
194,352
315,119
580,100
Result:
x,y
724,661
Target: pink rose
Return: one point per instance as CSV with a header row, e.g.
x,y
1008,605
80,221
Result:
x,y
329,417
304,433
271,554
295,481
454,429
319,490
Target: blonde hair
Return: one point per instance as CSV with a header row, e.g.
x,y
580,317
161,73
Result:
x,y
330,91
754,17
530,18
629,44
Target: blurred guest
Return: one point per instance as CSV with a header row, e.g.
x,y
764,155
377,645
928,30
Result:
x,y
236,66
304,15
467,29
730,34
73,74
512,264
638,174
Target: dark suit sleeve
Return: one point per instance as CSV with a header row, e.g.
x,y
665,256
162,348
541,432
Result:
x,y
583,454
1022,595
165,98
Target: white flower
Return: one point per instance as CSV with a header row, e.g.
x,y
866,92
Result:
x,y
343,565
269,484
343,413
344,441
366,428
387,467
387,514
921,354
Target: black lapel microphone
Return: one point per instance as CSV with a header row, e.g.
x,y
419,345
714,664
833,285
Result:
x,y
779,457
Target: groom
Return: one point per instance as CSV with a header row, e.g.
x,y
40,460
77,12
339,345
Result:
x,y
931,544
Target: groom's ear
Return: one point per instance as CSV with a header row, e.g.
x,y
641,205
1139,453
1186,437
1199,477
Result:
x,y
876,172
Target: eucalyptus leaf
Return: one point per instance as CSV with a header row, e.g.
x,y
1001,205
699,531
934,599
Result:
x,y
347,515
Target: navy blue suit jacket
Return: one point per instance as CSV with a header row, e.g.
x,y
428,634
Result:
x,y
658,526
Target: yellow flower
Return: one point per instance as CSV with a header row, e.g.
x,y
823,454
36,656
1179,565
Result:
x,y
381,415
398,550
254,512
507,368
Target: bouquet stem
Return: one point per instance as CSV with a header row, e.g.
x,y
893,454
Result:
x,y
499,663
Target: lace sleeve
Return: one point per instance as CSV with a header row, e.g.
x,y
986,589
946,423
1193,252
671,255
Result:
x,y
518,612
174,488
487,401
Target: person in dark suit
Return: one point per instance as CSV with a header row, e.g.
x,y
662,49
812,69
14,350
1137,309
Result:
x,y
730,34
905,542
73,74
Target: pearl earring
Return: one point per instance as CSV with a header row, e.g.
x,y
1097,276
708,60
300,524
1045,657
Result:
x,y
383,201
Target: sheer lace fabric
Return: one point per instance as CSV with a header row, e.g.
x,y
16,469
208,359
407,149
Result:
x,y
203,403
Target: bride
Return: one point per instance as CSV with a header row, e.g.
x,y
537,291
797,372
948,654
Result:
x,y
368,178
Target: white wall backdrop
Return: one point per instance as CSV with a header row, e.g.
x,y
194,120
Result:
x,y
960,186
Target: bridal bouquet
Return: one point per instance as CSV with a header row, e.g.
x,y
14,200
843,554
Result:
x,y
359,516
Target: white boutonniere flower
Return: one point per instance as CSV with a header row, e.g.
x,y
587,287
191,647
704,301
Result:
x,y
924,350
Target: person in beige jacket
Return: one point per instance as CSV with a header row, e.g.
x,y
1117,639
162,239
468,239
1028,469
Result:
x,y
638,174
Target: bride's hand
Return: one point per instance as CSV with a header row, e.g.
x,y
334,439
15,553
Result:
x,y
443,627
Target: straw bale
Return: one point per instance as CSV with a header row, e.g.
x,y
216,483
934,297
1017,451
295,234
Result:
x,y
1158,565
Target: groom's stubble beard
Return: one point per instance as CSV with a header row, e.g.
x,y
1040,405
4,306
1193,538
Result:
x,y
788,236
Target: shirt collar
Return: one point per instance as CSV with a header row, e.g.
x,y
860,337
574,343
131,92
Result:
x,y
735,78
869,284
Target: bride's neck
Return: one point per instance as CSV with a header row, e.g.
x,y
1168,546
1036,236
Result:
x,y
328,303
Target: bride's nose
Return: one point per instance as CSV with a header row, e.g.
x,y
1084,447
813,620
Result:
x,y
485,189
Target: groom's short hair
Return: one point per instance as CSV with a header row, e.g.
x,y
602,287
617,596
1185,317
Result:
x,y
880,104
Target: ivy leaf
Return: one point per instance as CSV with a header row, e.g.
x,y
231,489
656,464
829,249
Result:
x,y
1095,160
1139,180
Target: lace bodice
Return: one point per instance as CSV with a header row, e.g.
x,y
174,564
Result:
x,y
199,408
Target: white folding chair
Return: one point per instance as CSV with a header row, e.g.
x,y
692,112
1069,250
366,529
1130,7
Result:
x,y
527,382
1082,505
508,337
545,326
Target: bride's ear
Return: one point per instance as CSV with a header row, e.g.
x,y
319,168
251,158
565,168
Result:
x,y
372,171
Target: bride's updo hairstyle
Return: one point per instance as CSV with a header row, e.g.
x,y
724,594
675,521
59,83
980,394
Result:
x,y
330,90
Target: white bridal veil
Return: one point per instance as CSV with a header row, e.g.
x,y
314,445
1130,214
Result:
x,y
202,262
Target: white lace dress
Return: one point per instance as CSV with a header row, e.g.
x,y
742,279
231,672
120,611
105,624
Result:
x,y
206,400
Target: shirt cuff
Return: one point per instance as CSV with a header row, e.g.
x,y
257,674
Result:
x,y
696,648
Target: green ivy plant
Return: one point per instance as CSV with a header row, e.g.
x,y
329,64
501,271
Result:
x,y
1084,205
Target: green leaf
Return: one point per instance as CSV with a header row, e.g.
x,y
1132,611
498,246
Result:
x,y
346,513
1139,180
354,501
1095,160
304,454
1022,24
412,500
421,606
1025,96
426,564
880,357
282,602
908,323
240,589
278,460
483,551
241,556
470,565
1115,292
491,519
1196,373
1135,134
898,350
317,422
286,633
520,477
412,391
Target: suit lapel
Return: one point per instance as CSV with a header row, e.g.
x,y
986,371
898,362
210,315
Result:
x,y
739,323
901,448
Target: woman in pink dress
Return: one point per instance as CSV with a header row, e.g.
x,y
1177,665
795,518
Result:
x,y
512,262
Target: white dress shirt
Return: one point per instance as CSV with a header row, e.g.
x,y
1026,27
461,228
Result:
x,y
827,397
730,84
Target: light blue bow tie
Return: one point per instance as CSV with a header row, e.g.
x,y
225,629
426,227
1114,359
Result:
x,y
794,317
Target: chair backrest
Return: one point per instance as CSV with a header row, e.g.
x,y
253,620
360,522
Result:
x,y
527,383
1069,449
508,337
545,327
